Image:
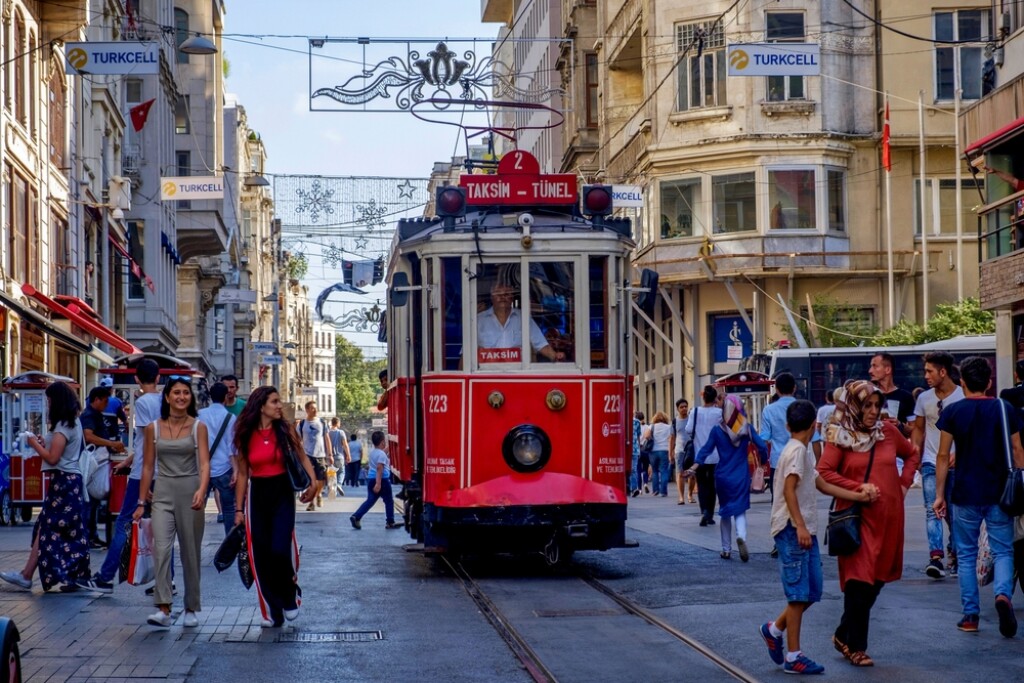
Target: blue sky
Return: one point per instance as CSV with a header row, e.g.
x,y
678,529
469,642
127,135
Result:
x,y
270,77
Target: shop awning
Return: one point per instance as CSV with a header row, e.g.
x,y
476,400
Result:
x,y
135,268
79,318
998,137
47,326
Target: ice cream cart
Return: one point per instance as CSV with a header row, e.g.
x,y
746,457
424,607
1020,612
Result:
x,y
752,388
22,480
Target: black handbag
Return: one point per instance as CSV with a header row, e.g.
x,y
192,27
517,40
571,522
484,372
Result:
x,y
689,449
229,548
842,536
1012,500
297,474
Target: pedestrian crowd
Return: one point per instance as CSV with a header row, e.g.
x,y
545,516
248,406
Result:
x,y
865,447
238,450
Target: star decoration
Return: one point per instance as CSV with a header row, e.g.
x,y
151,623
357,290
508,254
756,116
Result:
x,y
360,243
405,189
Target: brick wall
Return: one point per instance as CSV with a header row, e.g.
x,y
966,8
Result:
x,y
1002,281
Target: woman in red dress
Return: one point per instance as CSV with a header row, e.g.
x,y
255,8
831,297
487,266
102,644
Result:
x,y
266,503
854,438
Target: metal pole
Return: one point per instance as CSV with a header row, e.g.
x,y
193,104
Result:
x,y
276,369
924,226
888,223
959,193
104,270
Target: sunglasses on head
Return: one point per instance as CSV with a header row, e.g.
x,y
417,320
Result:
x,y
181,378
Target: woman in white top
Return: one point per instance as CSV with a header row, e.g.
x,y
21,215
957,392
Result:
x,y
661,431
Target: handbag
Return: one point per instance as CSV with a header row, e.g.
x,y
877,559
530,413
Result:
x,y
842,536
297,474
229,548
689,452
985,570
1012,500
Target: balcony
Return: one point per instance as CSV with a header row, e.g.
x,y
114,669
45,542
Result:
x,y
499,11
60,18
624,36
1002,252
131,163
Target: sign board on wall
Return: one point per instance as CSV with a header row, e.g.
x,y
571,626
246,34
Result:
x,y
234,295
113,58
731,340
627,197
774,59
191,187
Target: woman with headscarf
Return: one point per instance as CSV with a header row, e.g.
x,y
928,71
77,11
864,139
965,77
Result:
x,y
731,439
855,440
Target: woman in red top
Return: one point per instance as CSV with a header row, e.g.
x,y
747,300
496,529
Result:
x,y
266,503
855,438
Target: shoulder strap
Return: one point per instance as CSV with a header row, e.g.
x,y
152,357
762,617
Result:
x,y
195,434
871,461
693,429
1006,435
220,434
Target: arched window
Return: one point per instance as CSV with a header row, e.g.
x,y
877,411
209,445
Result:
x,y
18,67
181,33
33,85
8,68
58,117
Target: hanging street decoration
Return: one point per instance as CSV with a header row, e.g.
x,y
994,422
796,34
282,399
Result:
x,y
365,74
371,215
316,201
405,189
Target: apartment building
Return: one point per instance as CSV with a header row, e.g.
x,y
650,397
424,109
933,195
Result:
x,y
324,368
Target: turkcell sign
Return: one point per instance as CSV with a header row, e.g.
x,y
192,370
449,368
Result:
x,y
627,197
774,59
116,58
489,190
192,187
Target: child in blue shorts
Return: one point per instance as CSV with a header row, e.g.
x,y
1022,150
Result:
x,y
794,523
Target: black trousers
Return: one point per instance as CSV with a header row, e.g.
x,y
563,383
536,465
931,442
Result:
x,y
273,551
858,599
706,494
352,473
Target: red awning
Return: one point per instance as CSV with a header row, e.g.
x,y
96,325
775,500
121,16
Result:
x,y
97,329
993,139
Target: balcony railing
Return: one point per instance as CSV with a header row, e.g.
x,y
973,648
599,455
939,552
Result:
x,y
619,27
131,160
999,231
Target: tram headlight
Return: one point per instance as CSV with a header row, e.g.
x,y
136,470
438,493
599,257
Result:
x,y
526,448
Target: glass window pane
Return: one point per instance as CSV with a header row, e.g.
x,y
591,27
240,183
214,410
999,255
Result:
x,y
970,24
791,198
784,25
451,313
971,60
944,26
735,207
944,73
776,88
796,87
836,201
709,79
683,94
181,115
720,77
679,201
947,206
695,82
598,279
553,311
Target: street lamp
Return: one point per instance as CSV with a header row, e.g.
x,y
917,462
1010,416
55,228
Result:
x,y
275,369
198,45
256,180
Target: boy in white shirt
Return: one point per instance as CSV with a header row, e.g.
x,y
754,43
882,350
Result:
x,y
794,524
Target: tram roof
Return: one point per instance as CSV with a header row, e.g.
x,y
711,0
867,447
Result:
x,y
505,221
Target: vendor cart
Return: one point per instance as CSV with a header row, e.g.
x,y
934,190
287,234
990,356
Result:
x,y
23,483
753,389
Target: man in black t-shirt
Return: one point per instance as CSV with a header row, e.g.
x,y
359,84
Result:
x,y
897,403
96,432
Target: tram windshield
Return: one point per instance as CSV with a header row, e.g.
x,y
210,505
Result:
x,y
545,313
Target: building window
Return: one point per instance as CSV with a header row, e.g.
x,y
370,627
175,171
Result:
x,y
184,159
17,218
61,256
836,194
180,33
220,326
679,201
591,60
701,77
785,27
239,357
136,246
181,112
32,121
791,199
972,27
940,205
18,67
735,203
58,104
133,90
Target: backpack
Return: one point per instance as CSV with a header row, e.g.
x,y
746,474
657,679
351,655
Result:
x,y
95,465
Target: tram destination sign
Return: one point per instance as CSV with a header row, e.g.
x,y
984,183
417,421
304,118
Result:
x,y
519,181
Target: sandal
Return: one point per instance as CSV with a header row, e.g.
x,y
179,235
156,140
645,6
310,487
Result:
x,y
860,658
725,556
841,647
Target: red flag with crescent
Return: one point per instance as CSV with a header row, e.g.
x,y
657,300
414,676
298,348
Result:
x,y
139,114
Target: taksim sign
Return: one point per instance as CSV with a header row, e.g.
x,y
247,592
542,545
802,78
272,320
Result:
x,y
774,59
113,58
191,187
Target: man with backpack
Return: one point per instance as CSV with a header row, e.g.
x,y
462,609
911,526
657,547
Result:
x,y
220,429
317,444
95,431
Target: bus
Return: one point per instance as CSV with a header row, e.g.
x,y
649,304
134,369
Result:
x,y
820,370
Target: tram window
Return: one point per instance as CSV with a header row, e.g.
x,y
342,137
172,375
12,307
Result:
x,y
598,279
451,312
553,308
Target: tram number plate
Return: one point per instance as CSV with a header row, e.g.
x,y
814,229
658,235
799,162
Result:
x,y
612,403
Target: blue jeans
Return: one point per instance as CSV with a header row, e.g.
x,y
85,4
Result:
x,y
121,525
967,524
933,525
659,472
371,500
633,485
227,498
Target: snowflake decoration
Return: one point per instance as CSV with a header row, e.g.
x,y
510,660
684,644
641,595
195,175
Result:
x,y
372,215
316,201
405,189
333,254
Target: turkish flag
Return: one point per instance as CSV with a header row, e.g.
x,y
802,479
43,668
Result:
x,y
886,156
140,113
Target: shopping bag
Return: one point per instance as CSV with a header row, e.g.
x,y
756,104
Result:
x,y
986,567
140,565
229,548
97,479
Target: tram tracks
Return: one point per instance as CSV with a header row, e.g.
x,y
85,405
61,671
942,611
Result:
x,y
534,664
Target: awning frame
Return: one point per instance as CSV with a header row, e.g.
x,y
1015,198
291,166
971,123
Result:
x,y
79,318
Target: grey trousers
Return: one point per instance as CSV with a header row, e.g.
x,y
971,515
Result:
x,y
173,516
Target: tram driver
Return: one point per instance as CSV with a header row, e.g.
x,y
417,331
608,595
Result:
x,y
499,331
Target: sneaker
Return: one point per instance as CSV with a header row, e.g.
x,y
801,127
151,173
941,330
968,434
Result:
x,y
152,589
160,618
291,614
647,488
744,553
341,491
703,521
774,553
392,525
356,524
68,588
220,518
969,623
267,623
95,585
803,665
191,620
711,521
1007,620
934,569
17,579
636,492
773,644
953,569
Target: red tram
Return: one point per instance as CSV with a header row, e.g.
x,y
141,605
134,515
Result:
x,y
508,408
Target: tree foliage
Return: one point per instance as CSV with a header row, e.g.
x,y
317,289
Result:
x,y
949,320
356,385
836,323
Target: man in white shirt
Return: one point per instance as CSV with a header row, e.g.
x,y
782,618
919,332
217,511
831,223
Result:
x,y
499,331
929,405
706,418
220,429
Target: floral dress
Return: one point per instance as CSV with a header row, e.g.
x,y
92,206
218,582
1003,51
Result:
x,y
63,538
